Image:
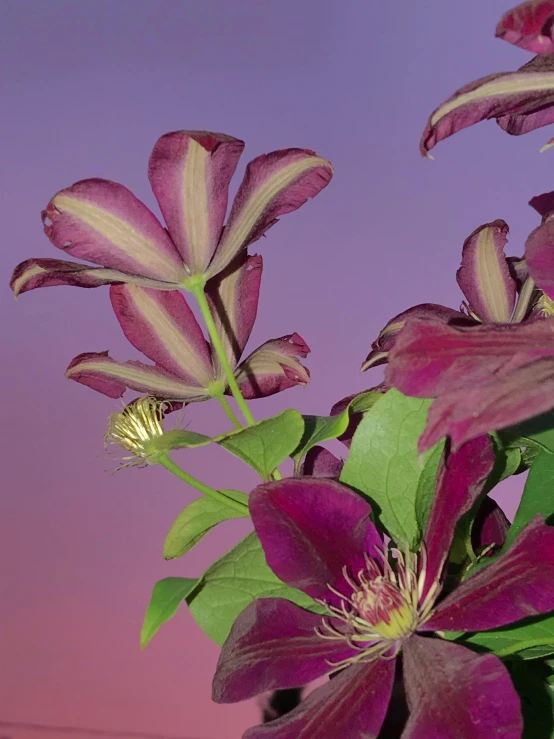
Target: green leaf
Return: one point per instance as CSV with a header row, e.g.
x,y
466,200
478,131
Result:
x,y
529,639
179,438
538,496
232,583
318,429
266,444
426,486
538,431
384,463
194,522
537,698
167,596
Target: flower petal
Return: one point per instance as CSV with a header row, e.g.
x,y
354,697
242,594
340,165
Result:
x,y
273,367
529,25
190,172
453,692
310,529
162,326
460,481
319,462
233,296
353,704
387,337
508,398
533,114
274,184
431,359
490,527
539,255
103,222
484,277
35,273
102,373
518,584
273,644
497,96
355,418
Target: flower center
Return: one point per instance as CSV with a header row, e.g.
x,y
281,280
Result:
x,y
381,604
384,606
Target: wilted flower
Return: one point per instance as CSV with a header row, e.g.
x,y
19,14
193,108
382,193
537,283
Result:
x,y
190,172
317,536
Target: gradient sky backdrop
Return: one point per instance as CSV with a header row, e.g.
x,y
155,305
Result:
x,y
86,89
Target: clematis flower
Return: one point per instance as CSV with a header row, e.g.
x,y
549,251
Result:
x,y
483,378
520,102
529,25
318,537
161,325
489,282
190,171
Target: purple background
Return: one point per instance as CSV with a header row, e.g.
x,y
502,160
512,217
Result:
x,y
87,87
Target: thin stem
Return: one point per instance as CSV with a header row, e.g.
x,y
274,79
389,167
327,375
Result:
x,y
229,412
200,296
166,462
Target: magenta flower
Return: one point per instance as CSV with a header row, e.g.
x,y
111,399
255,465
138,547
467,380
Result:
x,y
317,536
161,325
190,171
487,278
520,102
483,378
529,25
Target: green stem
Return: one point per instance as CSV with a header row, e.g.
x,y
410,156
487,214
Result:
x,y
166,462
200,296
229,412
521,645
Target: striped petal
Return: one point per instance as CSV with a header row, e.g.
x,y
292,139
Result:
x,y
233,296
484,277
539,255
190,172
521,101
273,367
504,400
102,373
35,273
453,692
103,222
529,26
387,337
429,360
274,184
162,326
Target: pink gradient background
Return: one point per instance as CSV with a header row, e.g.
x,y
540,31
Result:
x,y
86,89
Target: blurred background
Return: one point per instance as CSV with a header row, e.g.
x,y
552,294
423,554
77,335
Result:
x,y
86,89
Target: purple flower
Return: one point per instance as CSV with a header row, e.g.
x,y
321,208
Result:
x,y
190,173
318,537
530,26
160,324
489,282
520,102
